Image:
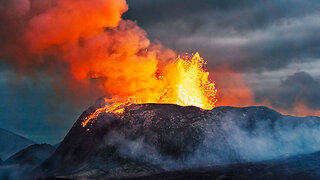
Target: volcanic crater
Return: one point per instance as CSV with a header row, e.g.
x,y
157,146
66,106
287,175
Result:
x,y
153,138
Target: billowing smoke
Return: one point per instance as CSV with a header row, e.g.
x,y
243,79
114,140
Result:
x,y
83,45
86,50
233,90
33,29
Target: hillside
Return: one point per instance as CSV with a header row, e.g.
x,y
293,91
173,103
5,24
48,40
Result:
x,y
10,143
152,138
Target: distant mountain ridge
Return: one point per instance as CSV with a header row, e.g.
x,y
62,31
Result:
x,y
32,155
17,165
11,143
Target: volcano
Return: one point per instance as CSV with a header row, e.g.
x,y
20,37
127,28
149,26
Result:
x,y
153,138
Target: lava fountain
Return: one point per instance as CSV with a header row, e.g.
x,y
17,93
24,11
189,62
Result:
x,y
183,82
90,47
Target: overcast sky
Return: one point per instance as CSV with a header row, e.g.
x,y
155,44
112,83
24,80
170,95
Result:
x,y
275,44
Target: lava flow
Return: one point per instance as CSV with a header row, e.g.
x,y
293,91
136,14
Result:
x,y
183,82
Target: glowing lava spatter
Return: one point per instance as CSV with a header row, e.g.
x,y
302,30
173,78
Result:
x,y
115,107
194,88
183,82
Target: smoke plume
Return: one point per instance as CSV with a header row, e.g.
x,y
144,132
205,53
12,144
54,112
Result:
x,y
83,45
87,50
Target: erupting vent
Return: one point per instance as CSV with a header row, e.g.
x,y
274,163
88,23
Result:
x,y
183,82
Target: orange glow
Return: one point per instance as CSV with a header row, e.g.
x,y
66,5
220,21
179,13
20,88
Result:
x,y
194,88
183,82
114,107
233,90
87,50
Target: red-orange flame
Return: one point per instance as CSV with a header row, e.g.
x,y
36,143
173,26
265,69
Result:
x,y
183,82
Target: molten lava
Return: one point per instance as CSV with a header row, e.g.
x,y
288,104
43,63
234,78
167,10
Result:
x,y
90,49
183,82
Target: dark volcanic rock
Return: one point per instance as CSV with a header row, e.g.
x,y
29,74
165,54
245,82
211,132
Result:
x,y
1,161
32,155
299,167
153,138
168,129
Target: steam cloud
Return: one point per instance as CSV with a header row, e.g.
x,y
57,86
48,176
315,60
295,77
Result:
x,y
232,142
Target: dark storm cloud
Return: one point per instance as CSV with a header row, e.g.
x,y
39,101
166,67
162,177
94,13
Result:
x,y
300,87
268,40
245,14
252,35
150,12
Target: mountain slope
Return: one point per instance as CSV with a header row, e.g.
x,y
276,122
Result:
x,y
11,143
152,138
32,155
